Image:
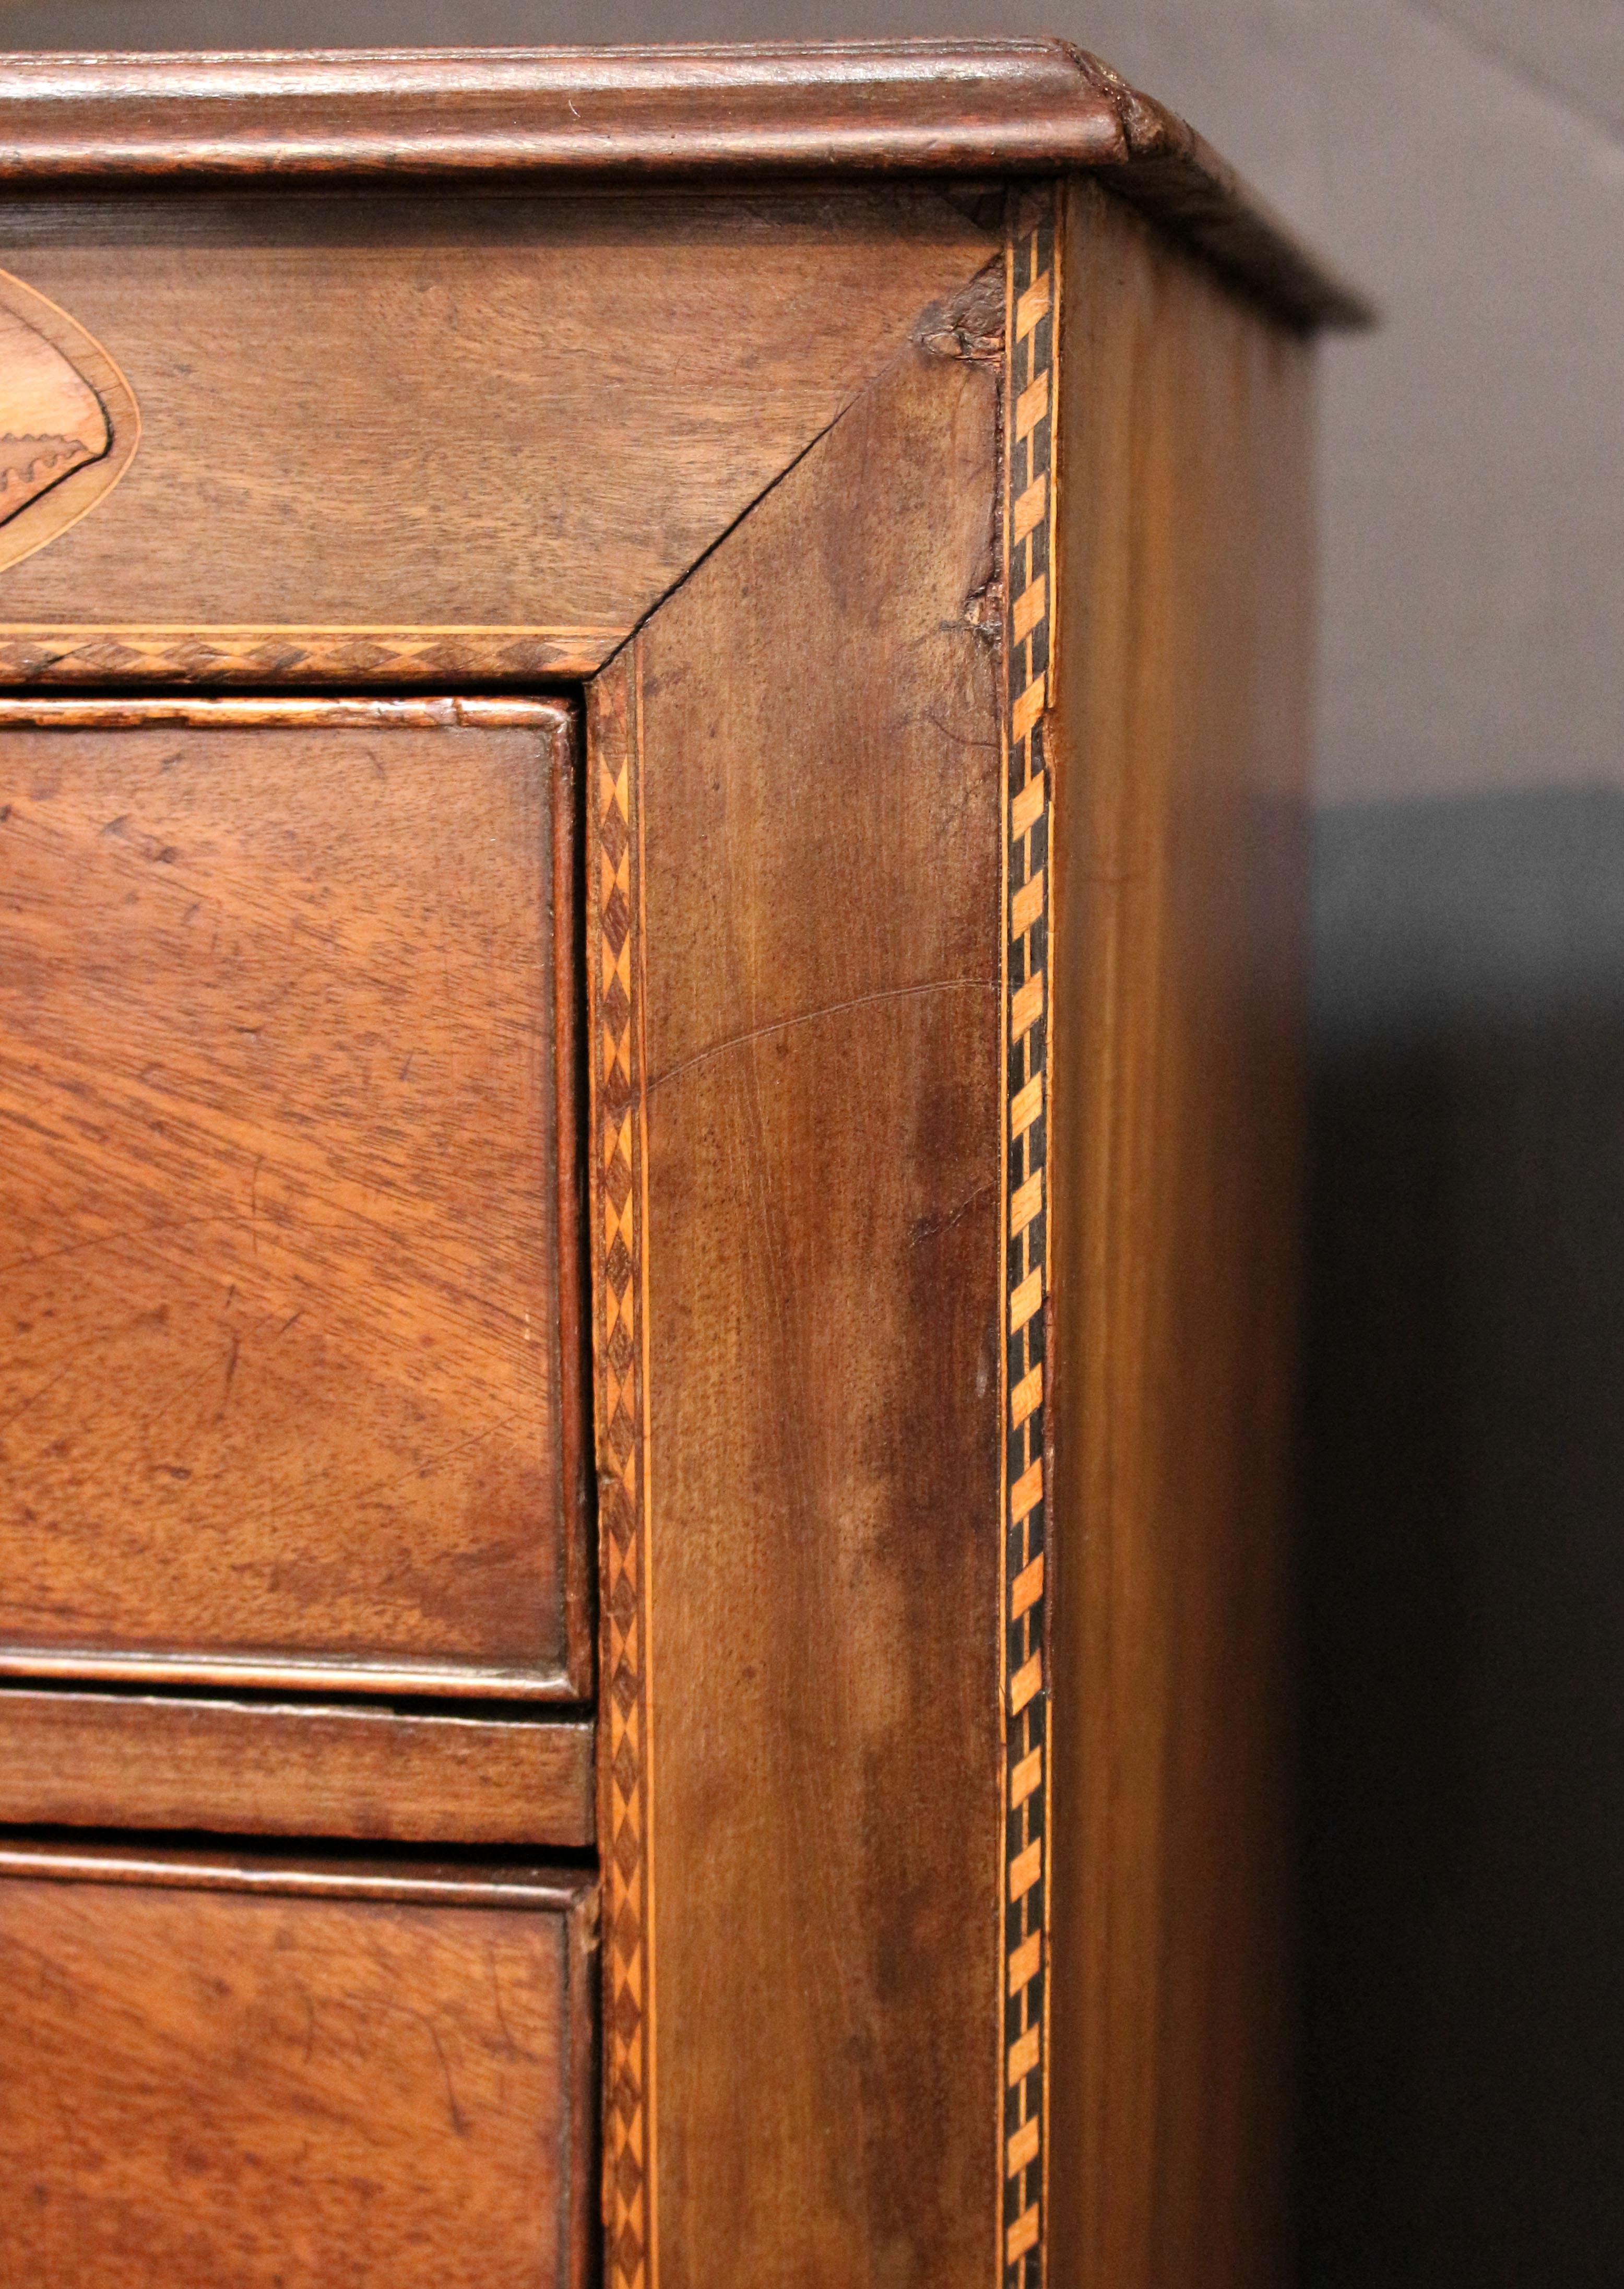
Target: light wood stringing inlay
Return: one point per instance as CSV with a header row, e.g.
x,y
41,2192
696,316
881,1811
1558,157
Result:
x,y
615,986
33,652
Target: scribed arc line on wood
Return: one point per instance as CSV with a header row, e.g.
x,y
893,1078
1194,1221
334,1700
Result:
x,y
817,1018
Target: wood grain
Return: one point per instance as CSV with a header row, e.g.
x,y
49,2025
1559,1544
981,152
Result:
x,y
598,112
988,106
819,736
289,1384
386,411
286,2092
291,1373
256,1768
1180,733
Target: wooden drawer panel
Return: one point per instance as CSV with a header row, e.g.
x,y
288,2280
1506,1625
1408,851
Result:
x,y
290,1374
399,435
285,2077
381,1775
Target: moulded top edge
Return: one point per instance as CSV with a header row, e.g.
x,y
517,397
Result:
x,y
918,107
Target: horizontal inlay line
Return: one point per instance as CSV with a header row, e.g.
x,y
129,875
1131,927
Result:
x,y
207,710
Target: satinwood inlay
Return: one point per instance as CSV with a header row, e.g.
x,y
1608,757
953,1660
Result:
x,y
68,421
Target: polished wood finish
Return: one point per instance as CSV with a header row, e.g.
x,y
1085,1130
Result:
x,y
394,438
943,105
979,106
789,836
375,1773
290,1383
814,723
1181,731
282,2087
905,449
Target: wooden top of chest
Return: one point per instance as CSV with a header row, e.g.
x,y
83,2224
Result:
x,y
576,115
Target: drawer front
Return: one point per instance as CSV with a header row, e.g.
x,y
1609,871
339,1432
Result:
x,y
383,435
332,2076
290,1374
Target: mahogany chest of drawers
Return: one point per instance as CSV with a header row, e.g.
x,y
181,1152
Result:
x,y
652,711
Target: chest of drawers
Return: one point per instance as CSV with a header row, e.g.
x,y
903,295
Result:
x,y
652,709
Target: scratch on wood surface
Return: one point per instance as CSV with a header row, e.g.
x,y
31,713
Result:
x,y
812,1017
933,1227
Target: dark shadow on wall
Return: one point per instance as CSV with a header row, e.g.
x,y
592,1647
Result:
x,y
1464,1804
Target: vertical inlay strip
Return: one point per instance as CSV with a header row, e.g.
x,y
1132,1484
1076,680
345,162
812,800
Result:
x,y
1028,498
619,1176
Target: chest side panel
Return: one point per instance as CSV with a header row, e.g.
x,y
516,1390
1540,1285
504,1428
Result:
x,y
1181,733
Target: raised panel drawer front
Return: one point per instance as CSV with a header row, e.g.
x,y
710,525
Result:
x,y
242,2074
290,1348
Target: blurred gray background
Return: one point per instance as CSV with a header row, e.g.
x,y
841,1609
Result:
x,y
1463,1846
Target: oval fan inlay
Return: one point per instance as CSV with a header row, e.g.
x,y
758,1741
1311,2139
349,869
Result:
x,y
68,422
